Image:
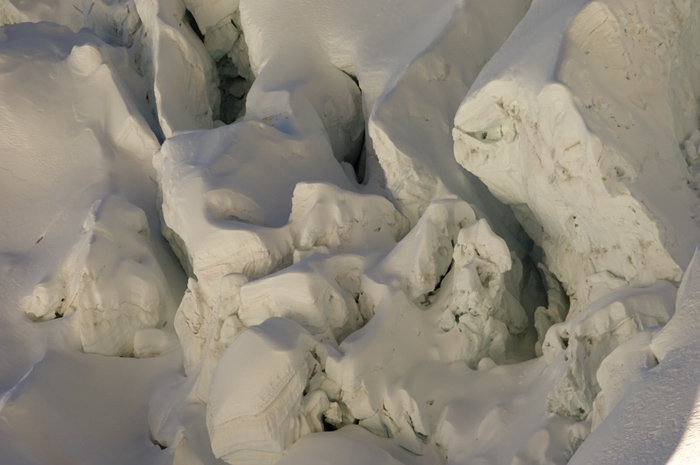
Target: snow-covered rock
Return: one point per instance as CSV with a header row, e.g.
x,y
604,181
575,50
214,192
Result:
x,y
481,304
111,280
421,259
442,304
91,177
310,293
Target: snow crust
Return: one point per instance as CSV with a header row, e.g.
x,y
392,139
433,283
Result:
x,y
419,233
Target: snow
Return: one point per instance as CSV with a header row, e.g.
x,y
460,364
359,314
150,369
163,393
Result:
x,y
250,425
411,122
659,402
541,136
420,232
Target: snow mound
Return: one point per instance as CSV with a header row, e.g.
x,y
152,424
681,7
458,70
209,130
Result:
x,y
178,67
205,331
596,176
64,13
326,218
265,393
481,302
110,279
222,217
447,303
310,293
249,196
440,304
419,262
89,177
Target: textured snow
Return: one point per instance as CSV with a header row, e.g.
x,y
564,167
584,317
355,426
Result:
x,y
79,240
593,171
411,122
655,396
310,231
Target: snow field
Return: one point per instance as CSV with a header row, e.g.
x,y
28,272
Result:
x,y
429,233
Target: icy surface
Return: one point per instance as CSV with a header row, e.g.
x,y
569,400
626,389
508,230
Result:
x,y
310,231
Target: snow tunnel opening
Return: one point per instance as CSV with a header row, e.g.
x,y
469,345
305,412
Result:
x,y
538,291
541,294
225,43
192,23
545,303
354,160
357,163
234,90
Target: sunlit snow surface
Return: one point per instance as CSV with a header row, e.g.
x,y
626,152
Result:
x,y
416,232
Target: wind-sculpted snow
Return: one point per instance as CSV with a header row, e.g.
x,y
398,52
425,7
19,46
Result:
x,y
421,232
110,278
411,122
649,391
592,335
325,218
178,67
108,272
256,410
465,320
595,174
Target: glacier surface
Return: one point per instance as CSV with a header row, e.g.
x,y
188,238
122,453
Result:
x,y
329,231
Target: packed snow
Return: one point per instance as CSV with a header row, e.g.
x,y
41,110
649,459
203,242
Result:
x,y
427,232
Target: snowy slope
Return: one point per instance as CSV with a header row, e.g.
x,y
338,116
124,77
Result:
x,y
332,231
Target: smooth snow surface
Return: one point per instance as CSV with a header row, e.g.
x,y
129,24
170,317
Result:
x,y
349,231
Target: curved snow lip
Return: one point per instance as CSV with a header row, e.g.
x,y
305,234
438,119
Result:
x,y
10,393
410,122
